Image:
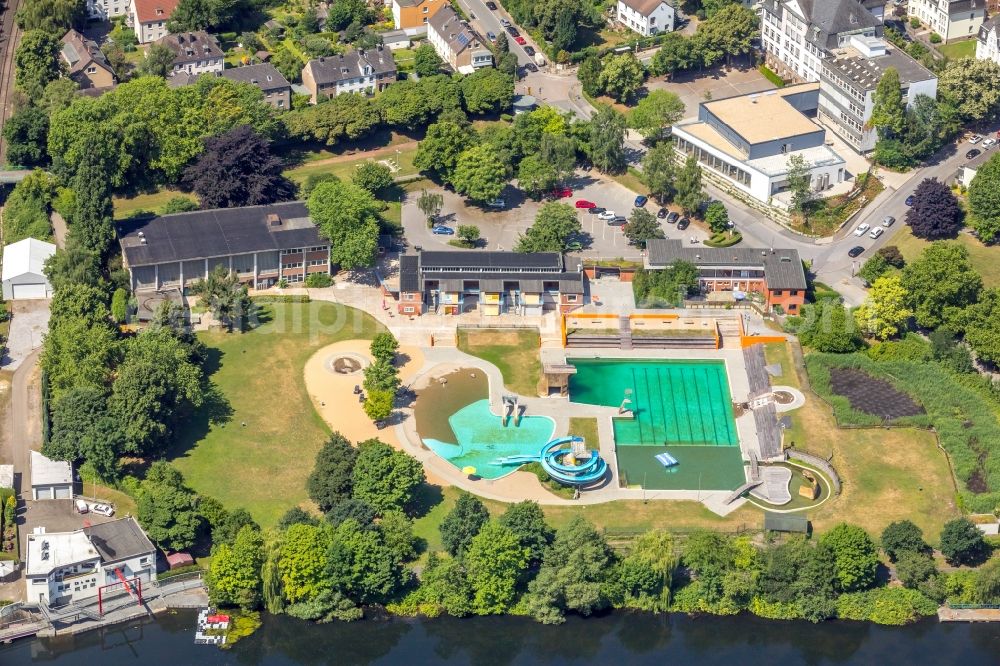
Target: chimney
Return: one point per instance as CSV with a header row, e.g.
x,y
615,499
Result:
x,y
273,220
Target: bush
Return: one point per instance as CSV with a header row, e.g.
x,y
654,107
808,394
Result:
x,y
935,38
771,76
911,348
318,280
724,239
914,22
886,605
281,298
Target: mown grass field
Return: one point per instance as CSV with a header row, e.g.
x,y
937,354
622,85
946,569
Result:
x,y
257,448
513,351
956,50
984,258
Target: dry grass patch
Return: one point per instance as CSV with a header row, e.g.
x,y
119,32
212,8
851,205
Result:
x,y
513,351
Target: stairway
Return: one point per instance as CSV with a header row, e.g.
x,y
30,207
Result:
x,y
625,332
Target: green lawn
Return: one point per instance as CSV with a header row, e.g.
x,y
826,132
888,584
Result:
x,y
513,351
153,202
345,168
984,258
260,456
586,428
956,50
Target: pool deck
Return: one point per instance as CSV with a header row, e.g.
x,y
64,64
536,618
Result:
x,y
519,486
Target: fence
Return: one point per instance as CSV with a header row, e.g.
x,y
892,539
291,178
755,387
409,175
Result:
x,y
816,461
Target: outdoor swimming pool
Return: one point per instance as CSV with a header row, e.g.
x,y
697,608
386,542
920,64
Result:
x,y
681,407
482,438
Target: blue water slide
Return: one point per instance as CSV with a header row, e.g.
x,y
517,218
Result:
x,y
584,474
515,460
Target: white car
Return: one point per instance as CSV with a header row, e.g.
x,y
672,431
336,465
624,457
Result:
x,y
989,143
103,509
862,228
888,221
81,506
607,215
876,232
975,139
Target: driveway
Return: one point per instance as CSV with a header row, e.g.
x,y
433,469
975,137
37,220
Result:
x,y
28,325
485,20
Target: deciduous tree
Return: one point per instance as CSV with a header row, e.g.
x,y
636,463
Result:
x,y
984,200
26,133
884,313
935,213
487,90
463,523
901,536
235,573
656,112
962,542
426,61
717,216
690,194
226,298
641,227
659,171
554,225
940,284
495,561
622,76
607,140
373,176
527,521
347,215
167,509
972,86
332,477
445,140
385,477
855,556
36,62
480,173
889,112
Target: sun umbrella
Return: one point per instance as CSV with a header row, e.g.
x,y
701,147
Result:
x,y
469,470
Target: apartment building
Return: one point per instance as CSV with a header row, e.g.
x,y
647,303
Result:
x,y
277,90
105,10
457,43
195,53
412,16
951,19
148,18
359,71
646,17
848,82
988,44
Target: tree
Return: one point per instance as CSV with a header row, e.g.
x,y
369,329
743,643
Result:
x,y
74,265
554,225
536,175
167,510
227,526
487,90
26,133
981,323
559,21
826,326
237,169
527,521
655,112
91,223
889,111
54,17
226,298
379,404
559,151
347,116
892,256
384,347
855,556
178,205
874,268
26,211
940,284
914,568
480,173
155,383
643,578
384,477
463,523
83,430
158,61
690,194
354,509
901,536
971,85
495,560
800,184
641,227
589,74
572,574
235,572
381,375
962,542
984,199
935,213
430,203
730,31
347,215
675,54
622,76
659,171
373,176
666,287
332,475
607,140
444,142
426,61
302,561
884,313
397,532
717,216
36,62
202,14
468,234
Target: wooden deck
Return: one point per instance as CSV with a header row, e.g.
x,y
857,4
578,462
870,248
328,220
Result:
x,y
948,614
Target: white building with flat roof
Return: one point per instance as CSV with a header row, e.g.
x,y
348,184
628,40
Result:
x,y
747,141
50,479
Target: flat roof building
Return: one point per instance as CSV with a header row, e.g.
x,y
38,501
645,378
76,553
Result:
x,y
50,479
261,244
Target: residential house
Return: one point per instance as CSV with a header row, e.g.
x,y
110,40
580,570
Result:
x,y
359,71
411,16
457,43
969,170
50,479
744,143
148,18
261,244
646,17
85,63
951,19
495,283
96,562
848,81
104,10
277,90
988,44
195,53
776,275
24,269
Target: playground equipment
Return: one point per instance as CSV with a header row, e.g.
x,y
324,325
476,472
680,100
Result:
x,y
810,489
574,466
511,409
666,459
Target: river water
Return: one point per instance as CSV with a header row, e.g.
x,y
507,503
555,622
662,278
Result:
x,y
615,640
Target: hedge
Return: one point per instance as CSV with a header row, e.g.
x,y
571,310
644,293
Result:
x,y
724,239
885,605
281,298
771,76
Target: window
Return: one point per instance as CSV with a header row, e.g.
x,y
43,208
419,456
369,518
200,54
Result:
x,y
571,298
793,292
778,292
408,310
425,10
91,70
791,307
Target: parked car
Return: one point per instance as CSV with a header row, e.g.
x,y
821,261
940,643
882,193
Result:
x,y
888,221
530,50
975,152
683,223
512,31
103,509
490,36
909,200
561,193
81,506
505,23
617,221
975,139
606,215
672,217
443,231
876,232
520,40
497,203
583,203
640,201
492,6
574,246
855,251
662,213
596,211
531,67
862,228
988,143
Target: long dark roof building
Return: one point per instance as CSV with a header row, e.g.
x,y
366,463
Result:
x,y
119,539
782,268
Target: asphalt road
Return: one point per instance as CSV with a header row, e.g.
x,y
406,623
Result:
x,y
487,20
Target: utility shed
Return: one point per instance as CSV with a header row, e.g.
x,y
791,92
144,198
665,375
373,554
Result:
x,y
23,262
50,479
785,522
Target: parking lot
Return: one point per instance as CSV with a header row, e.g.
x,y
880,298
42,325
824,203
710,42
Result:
x,y
501,228
719,82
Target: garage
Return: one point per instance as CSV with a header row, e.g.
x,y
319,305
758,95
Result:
x,y
50,479
23,270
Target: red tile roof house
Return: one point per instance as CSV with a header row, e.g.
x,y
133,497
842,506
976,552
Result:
x,y
148,18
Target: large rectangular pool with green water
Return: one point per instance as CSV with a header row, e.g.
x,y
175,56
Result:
x,y
681,407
